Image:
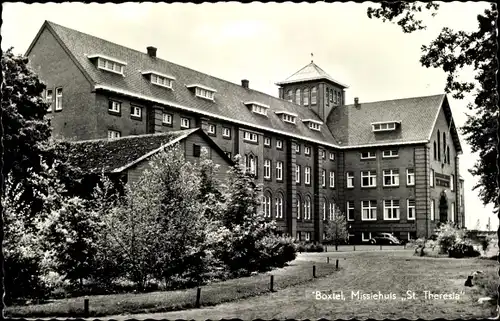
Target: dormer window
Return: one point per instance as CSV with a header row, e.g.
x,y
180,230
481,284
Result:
x,y
250,137
313,124
258,108
109,63
160,79
287,117
384,126
202,91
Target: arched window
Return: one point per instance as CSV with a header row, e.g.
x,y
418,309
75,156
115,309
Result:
x,y
435,151
250,162
323,208
279,206
332,210
299,209
307,208
444,148
266,204
289,95
333,96
439,145
314,93
306,97
297,96
448,154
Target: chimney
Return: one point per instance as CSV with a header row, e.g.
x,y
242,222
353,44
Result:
x,y
151,51
244,83
356,101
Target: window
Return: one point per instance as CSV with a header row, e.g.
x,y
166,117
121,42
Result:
x,y
448,154
184,122
226,132
339,98
306,97
297,96
444,147
439,145
350,210
433,205
452,182
453,212
115,106
391,177
114,134
307,208
435,151
109,65
391,210
410,177
59,96
383,127
267,168
228,154
390,153
323,154
167,119
259,109
368,179
431,178
251,137
161,80
136,111
350,179
323,177
48,99
332,156
279,170
307,150
279,144
204,93
289,95
314,94
211,129
307,175
366,236
267,141
369,210
297,203
323,209
332,179
410,206
279,206
315,126
266,205
297,173
308,236
196,150
251,164
287,118
368,155
332,97
297,148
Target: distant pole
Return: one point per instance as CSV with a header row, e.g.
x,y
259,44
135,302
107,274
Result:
x,y
86,307
354,247
327,259
337,264
314,271
381,247
198,297
271,285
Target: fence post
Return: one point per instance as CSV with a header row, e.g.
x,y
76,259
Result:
x,y
198,297
327,259
381,247
271,285
354,247
404,246
86,307
314,271
337,264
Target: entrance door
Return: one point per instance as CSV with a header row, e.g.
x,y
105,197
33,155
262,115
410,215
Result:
x,y
443,208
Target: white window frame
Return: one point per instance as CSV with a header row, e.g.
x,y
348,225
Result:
x,y
279,144
308,236
332,156
307,208
49,99
323,177
323,208
384,126
115,107
307,150
433,208
226,132
211,129
185,122
332,211
204,93
109,65
287,118
267,205
167,118
267,168
390,153
452,182
267,141
259,109
250,137
162,80
315,126
279,170
307,175
372,178
297,148
410,177
297,174
371,155
370,210
279,206
298,205
393,175
113,134
59,97
332,179
392,212
410,209
363,239
322,154
350,179
350,210
431,178
135,113
452,212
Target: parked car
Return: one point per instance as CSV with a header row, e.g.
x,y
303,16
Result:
x,y
384,238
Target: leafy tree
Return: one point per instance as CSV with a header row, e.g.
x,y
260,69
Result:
x,y
336,229
451,51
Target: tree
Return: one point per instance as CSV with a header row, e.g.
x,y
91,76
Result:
x,y
451,51
336,229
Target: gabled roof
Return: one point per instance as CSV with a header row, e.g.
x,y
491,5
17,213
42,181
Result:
x,y
309,72
228,103
351,124
116,155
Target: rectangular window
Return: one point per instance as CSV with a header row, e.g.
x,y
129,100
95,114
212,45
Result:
x,y
109,65
115,106
410,177
410,205
279,144
323,178
332,179
307,150
350,179
196,150
185,122
368,179
369,210
391,177
433,205
307,175
226,132
267,168
251,137
350,210
391,210
452,182
114,134
332,156
48,99
332,211
315,126
366,236
297,173
59,96
297,148
431,178
390,153
308,236
211,129
368,155
136,111
167,119
279,170
161,81
323,154
203,93
453,212
267,141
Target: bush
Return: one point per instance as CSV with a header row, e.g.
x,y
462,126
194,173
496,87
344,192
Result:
x,y
309,247
462,249
447,236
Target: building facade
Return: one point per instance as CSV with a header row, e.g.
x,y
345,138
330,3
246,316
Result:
x,y
390,166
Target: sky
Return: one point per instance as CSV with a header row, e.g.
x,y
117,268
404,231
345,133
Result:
x,y
266,43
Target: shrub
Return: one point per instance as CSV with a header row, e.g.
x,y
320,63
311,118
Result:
x,y
462,249
447,236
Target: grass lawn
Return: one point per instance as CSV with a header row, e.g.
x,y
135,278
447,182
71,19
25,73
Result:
x,y
297,272
368,272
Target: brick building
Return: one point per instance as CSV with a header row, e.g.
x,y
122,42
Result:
x,y
391,166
